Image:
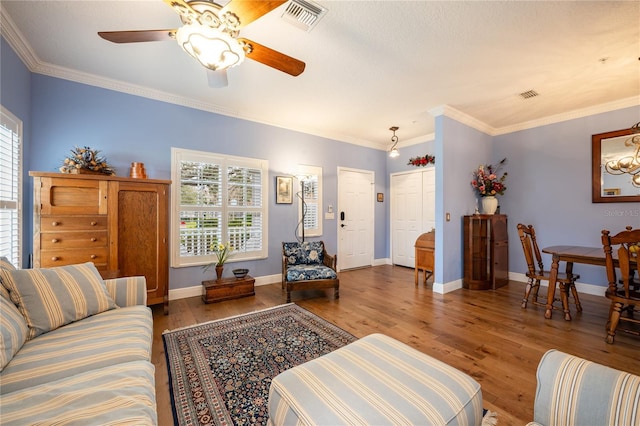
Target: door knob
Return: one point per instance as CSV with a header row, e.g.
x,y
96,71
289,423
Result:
x,y
342,225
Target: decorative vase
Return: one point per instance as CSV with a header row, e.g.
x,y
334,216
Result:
x,y
219,270
489,204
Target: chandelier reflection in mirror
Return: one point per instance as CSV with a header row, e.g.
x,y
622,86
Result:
x,y
628,163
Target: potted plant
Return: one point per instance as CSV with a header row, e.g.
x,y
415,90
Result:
x,y
222,252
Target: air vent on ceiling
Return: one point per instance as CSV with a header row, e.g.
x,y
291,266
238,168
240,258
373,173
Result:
x,y
529,94
303,14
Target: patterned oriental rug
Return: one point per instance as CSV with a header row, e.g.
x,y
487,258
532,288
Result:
x,y
220,371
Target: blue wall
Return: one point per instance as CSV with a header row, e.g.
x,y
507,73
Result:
x,y
549,187
463,148
128,128
15,96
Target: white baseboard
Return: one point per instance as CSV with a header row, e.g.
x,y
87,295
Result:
x,y
586,288
447,287
193,291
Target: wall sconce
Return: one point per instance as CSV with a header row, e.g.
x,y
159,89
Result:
x,y
393,152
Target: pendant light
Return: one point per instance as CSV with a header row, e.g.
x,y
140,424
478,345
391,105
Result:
x,y
393,152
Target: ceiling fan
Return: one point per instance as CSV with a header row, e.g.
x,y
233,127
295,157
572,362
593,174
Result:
x,y
210,34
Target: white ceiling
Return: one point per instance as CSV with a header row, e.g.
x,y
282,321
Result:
x,y
370,65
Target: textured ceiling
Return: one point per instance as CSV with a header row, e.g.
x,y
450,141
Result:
x,y
369,64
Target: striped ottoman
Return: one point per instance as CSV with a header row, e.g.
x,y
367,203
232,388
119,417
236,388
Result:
x,y
375,381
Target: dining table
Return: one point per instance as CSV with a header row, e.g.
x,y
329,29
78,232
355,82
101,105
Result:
x,y
570,255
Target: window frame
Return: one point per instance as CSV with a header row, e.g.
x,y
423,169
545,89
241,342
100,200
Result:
x,y
15,202
179,155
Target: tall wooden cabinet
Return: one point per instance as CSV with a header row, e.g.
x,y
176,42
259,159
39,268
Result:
x,y
486,252
120,224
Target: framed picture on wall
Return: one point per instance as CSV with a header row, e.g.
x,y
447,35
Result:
x,y
284,189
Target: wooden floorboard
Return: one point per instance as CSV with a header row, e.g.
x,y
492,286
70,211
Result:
x,y
483,333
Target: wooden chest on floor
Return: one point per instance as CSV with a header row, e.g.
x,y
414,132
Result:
x,y
227,288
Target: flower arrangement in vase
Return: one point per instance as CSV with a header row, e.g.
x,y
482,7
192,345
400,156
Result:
x,y
222,252
487,184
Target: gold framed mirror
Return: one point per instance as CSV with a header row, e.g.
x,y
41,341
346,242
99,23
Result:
x,y
615,166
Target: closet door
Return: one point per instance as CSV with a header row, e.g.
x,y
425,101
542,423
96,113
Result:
x,y
413,201
428,199
406,217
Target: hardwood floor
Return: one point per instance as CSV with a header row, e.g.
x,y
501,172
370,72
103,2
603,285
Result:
x,y
483,333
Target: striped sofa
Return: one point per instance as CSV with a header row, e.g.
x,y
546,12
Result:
x,y
74,349
574,391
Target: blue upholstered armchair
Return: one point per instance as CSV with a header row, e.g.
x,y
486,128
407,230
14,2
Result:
x,y
307,265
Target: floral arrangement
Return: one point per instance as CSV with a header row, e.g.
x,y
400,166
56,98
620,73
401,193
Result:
x,y
421,161
86,159
222,252
486,181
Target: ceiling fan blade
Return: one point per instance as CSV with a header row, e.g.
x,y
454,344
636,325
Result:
x,y
137,36
250,10
217,79
273,58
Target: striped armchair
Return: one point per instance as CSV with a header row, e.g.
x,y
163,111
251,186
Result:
x,y
574,391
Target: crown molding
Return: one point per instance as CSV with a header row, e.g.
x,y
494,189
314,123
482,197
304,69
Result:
x,y
451,112
14,37
472,122
571,115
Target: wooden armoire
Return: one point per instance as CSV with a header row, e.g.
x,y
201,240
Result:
x,y
120,224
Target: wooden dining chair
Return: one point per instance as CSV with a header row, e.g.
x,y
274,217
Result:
x,y
535,275
622,290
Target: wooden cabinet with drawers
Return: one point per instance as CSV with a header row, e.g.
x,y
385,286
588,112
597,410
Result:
x,y
120,224
486,252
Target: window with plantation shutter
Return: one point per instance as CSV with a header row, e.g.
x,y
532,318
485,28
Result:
x,y
10,187
311,177
217,200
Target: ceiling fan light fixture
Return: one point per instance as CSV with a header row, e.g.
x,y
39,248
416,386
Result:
x,y
214,49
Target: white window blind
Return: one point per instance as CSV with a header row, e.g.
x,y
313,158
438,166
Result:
x,y
311,178
10,187
218,200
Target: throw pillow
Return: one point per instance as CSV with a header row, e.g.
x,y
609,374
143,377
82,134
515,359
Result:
x,y
5,264
13,331
49,298
306,253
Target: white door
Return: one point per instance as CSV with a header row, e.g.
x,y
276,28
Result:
x,y
428,199
355,218
406,217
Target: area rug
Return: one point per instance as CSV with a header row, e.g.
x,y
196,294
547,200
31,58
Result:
x,y
220,371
